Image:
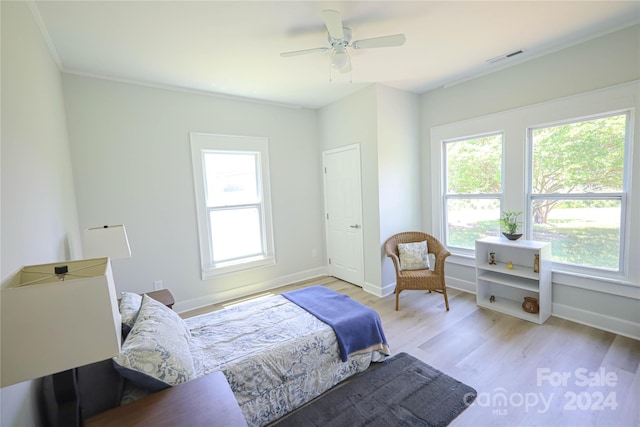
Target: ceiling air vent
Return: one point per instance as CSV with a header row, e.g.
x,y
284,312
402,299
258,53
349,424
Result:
x,y
505,56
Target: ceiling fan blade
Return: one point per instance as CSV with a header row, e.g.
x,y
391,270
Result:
x,y
333,21
384,41
303,52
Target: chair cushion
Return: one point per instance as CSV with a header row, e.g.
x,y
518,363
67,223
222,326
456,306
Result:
x,y
414,256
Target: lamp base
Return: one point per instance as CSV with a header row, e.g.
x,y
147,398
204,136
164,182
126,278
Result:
x,y
61,399
91,399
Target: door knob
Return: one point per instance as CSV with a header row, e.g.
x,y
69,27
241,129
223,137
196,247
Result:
x,y
355,226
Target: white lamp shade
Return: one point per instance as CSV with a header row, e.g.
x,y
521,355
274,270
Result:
x,y
108,241
49,326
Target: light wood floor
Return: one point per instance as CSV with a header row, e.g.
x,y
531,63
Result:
x,y
556,374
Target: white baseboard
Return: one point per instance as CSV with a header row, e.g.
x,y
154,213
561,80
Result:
x,y
377,291
371,289
252,288
597,320
388,289
461,285
562,311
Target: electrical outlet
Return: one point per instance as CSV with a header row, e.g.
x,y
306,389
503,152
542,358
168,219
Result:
x,y
314,253
157,285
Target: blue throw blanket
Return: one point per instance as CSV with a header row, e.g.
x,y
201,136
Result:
x,y
356,326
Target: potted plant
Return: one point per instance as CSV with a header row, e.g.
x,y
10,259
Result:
x,y
509,222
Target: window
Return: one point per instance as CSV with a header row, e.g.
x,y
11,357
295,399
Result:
x,y
472,176
232,194
567,165
578,189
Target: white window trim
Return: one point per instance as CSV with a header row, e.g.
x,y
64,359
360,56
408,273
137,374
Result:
x,y
444,235
514,124
201,142
486,125
621,196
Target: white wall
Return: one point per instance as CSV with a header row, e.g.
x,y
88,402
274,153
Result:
x,y
353,120
39,222
599,63
398,171
132,165
385,122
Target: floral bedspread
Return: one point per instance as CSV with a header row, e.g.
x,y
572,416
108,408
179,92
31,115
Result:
x,y
274,354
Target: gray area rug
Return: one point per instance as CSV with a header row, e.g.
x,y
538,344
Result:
x,y
402,391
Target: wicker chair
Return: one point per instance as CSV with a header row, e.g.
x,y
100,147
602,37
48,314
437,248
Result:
x,y
428,280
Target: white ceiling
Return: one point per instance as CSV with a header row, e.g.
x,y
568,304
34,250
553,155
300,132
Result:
x,y
233,47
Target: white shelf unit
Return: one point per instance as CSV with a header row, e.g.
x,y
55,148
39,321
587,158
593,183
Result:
x,y
510,286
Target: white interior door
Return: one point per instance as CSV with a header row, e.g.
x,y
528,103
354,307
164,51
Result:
x,y
343,213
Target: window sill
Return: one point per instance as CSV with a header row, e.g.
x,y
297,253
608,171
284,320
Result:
x,y
237,266
462,259
604,284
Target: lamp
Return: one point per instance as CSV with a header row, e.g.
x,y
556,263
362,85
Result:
x,y
55,318
108,240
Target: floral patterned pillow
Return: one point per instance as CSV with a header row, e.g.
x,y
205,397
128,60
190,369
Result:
x,y
156,353
414,256
129,307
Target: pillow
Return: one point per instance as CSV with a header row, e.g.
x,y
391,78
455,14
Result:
x,y
414,256
129,307
156,353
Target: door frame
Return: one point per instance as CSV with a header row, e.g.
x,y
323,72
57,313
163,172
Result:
x,y
326,153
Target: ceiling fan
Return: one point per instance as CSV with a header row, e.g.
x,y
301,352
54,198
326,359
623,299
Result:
x,y
340,39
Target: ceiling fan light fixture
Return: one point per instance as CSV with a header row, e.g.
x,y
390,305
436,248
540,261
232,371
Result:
x,y
341,61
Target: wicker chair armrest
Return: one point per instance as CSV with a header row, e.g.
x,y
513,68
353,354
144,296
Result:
x,y
440,259
396,261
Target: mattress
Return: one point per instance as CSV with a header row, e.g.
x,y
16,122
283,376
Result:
x,y
274,354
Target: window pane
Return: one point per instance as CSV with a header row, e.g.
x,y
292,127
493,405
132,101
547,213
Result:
x,y
471,219
235,233
583,232
474,165
581,157
231,178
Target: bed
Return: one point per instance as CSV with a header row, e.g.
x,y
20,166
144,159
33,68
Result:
x,y
275,355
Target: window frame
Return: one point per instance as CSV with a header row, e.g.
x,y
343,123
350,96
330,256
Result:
x,y
202,143
514,122
446,196
621,196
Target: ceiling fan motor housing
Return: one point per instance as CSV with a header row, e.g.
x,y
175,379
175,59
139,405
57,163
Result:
x,y
340,42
